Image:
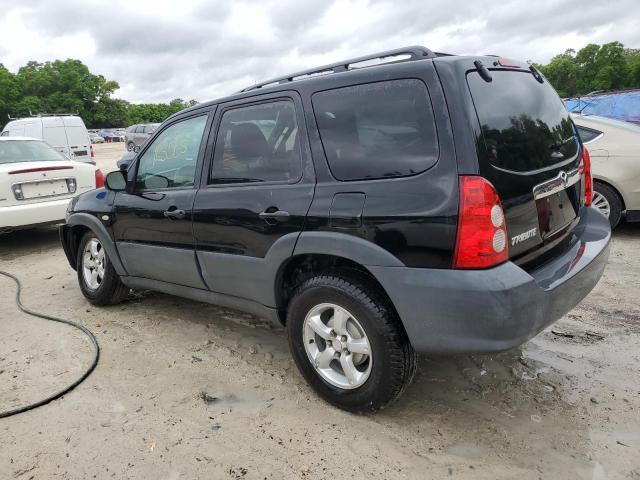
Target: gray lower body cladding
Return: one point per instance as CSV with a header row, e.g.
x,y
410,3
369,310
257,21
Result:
x,y
466,311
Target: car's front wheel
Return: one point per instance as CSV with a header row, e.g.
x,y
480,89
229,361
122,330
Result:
x,y
348,342
98,280
131,146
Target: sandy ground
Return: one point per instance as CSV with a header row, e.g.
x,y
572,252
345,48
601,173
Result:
x,y
562,406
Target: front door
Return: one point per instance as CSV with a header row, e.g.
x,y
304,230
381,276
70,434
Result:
x,y
153,224
252,206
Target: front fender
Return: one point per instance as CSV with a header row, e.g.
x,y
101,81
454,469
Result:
x,y
96,226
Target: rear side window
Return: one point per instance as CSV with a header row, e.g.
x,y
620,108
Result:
x,y
258,143
524,123
377,130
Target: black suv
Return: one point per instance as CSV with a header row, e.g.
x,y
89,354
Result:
x,y
403,202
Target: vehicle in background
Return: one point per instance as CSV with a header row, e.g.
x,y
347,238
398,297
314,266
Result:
x,y
65,133
126,160
136,135
95,138
615,158
111,136
623,105
37,182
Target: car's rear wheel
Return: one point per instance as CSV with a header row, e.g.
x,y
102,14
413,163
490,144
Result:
x,y
131,146
98,280
607,200
348,343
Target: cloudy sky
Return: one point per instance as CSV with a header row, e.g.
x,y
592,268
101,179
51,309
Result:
x,y
162,49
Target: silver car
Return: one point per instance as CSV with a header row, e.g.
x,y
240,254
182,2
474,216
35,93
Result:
x,y
615,162
136,135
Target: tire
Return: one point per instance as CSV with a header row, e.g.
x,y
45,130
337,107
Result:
x,y
109,290
606,199
130,146
392,362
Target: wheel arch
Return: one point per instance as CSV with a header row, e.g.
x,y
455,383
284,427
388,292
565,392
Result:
x,y
80,223
611,185
298,268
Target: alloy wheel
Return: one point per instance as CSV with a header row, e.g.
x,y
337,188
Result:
x,y
601,203
93,263
337,346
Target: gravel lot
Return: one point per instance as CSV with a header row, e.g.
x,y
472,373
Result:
x,y
565,405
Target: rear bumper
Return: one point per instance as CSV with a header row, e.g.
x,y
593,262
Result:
x,y
31,214
466,311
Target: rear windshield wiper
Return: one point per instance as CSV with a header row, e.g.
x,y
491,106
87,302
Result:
x,y
558,144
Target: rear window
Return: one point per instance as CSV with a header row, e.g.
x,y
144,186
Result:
x,y
77,136
524,123
377,130
12,151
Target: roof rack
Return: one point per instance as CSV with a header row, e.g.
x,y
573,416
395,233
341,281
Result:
x,y
53,114
406,54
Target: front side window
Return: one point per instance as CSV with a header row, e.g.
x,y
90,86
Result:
x,y
377,130
258,143
170,161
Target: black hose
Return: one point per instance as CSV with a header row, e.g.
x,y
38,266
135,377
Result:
x,y
82,328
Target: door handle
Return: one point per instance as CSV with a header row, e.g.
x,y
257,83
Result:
x,y
274,214
174,214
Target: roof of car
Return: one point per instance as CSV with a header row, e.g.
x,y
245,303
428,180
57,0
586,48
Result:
x,y
318,74
5,139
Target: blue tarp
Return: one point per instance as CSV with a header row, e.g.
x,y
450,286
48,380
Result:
x,y
619,105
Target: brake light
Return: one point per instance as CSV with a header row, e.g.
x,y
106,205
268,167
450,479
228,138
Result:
x,y
505,62
482,237
587,178
99,178
91,150
41,169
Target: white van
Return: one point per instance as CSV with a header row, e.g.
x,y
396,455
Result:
x,y
65,133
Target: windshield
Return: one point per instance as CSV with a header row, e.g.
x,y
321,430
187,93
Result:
x,y
13,151
524,123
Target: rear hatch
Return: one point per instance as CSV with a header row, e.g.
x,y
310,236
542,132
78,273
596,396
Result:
x,y
530,152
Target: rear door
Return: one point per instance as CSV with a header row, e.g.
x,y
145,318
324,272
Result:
x,y
153,224
78,138
529,149
254,201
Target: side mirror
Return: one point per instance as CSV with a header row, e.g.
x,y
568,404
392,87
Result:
x,y
116,181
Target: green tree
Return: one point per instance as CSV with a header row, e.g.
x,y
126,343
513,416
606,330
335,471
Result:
x,y
67,86
9,93
110,112
594,67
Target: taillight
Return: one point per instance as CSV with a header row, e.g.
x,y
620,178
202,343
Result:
x,y
482,237
91,150
99,178
587,178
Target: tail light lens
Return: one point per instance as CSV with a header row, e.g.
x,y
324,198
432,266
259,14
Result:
x,y
91,150
99,178
587,178
482,236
